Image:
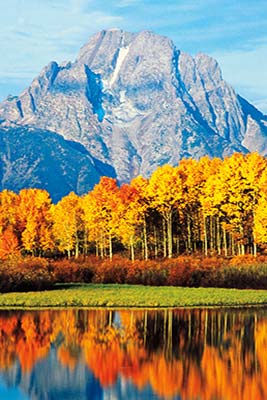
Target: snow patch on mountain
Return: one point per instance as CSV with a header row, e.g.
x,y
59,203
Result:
x,y
121,57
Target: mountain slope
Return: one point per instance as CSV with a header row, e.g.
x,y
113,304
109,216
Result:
x,y
135,101
42,159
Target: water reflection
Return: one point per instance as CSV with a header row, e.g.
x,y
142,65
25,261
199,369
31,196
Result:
x,y
101,354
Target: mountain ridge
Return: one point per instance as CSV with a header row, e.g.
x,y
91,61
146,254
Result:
x,y
135,101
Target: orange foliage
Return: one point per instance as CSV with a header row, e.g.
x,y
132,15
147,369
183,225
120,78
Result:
x,y
206,206
9,244
247,259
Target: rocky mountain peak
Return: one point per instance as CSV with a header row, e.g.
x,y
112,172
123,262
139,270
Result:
x,y
134,101
209,69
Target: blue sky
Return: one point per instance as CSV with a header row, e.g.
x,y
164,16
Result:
x,y
34,32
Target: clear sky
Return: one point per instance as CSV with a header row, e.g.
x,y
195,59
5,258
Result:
x,y
35,32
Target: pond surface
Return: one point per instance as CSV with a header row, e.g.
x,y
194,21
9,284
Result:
x,y
133,355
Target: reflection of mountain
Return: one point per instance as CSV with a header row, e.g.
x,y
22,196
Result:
x,y
49,380
76,354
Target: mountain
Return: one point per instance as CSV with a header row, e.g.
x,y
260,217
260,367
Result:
x,y
31,157
133,101
50,380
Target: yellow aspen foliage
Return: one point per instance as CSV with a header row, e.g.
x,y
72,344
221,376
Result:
x,y
194,175
33,218
140,184
92,227
101,212
29,234
260,221
165,190
260,212
67,217
8,209
210,196
130,216
210,205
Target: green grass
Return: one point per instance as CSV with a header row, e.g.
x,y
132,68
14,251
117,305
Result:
x,y
76,295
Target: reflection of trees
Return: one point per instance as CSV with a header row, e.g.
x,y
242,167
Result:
x,y
194,353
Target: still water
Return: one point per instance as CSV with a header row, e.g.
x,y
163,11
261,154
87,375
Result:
x,y
133,355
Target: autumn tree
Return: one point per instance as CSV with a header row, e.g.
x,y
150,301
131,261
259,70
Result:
x,y
231,195
193,175
254,173
67,217
9,245
93,230
211,197
165,191
100,208
130,216
140,186
260,212
8,210
34,220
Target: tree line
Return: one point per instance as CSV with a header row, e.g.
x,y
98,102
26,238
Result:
x,y
210,206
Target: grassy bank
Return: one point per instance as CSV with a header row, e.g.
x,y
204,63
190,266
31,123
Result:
x,y
99,295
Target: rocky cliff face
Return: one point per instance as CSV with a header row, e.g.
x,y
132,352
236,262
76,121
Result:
x,y
134,101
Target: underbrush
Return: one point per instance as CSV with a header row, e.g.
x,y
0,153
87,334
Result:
x,y
23,274
17,274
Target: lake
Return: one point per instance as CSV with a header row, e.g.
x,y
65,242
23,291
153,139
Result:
x,y
133,354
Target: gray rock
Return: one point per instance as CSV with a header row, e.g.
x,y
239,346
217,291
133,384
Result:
x,y
134,101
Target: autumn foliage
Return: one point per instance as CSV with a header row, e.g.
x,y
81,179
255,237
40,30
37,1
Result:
x,y
35,273
23,274
210,208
